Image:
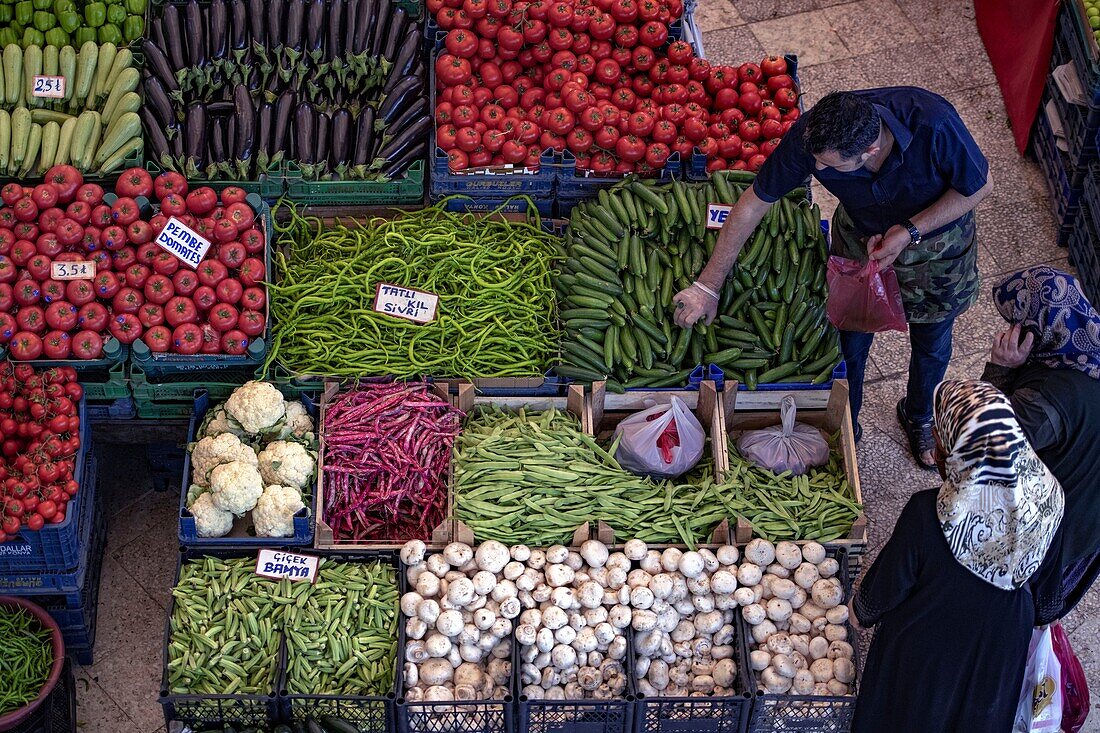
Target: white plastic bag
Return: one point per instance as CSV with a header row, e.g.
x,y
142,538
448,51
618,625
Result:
x,y
645,452
792,446
1040,708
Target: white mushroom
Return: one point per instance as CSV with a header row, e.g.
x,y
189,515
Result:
x,y
760,552
759,660
827,593
691,564
828,567
754,614
844,670
595,553
412,552
727,554
457,554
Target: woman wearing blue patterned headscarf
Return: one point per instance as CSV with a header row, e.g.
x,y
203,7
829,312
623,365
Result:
x,y
1048,363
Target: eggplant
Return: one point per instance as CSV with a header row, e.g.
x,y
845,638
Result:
x,y
395,32
341,138
414,135
158,63
315,25
173,37
364,137
397,166
364,27
303,133
219,131
218,28
156,100
415,111
293,31
405,59
239,13
350,21
230,137
265,122
323,128
157,144
156,33
283,108
244,140
276,14
221,107
382,13
334,47
402,96
257,22
194,137
196,36
176,141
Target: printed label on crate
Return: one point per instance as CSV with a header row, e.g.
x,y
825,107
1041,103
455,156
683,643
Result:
x,y
51,87
717,215
183,241
277,565
401,302
75,270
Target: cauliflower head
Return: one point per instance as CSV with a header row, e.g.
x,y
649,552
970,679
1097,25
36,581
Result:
x,y
298,422
210,520
256,406
286,463
274,512
218,422
235,487
213,451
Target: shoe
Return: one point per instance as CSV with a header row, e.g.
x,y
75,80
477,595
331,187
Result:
x,y
857,433
919,435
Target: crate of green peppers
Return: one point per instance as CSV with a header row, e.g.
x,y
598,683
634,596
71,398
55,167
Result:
x,y
72,22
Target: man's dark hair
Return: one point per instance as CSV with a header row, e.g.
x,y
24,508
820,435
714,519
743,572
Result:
x,y
844,122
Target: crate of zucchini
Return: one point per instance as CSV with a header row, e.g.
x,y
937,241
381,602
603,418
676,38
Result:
x,y
635,246
331,90
330,646
93,126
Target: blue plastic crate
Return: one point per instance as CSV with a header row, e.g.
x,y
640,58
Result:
x,y
55,546
121,409
517,205
1073,40
574,188
66,583
1081,125
697,166
840,371
78,623
1064,185
188,536
158,365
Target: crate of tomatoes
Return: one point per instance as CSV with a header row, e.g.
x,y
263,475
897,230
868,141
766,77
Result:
x,y
42,461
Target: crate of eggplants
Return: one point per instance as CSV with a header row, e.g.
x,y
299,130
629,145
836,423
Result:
x,y
359,111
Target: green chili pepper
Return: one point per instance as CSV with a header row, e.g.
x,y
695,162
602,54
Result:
x,y
95,14
110,33
26,656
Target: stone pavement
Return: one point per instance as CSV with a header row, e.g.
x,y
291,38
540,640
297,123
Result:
x,y
841,45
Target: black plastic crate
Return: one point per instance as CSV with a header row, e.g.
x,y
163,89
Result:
x,y
1081,125
1064,185
165,464
808,713
1073,41
57,713
1084,238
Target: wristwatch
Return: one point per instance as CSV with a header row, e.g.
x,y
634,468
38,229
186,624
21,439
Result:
x,y
914,233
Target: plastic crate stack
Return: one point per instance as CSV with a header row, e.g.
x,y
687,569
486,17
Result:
x,y
1065,171
58,566
1085,236
57,713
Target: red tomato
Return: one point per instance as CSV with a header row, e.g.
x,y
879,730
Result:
x,y
786,98
61,316
168,182
461,43
751,72
771,129
229,291
45,195
751,104
452,70
92,316
185,281
204,297
158,339
468,139
773,66
151,315
57,345
158,289
254,298
749,130
25,346
234,342
212,272
680,52
694,129
783,81
187,339
657,155
223,317
179,310
78,292
630,148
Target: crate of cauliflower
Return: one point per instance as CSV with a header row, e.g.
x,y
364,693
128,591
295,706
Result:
x,y
249,470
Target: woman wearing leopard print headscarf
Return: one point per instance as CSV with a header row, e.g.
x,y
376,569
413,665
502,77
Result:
x,y
958,587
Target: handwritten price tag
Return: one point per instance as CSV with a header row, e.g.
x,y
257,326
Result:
x,y
277,565
717,214
77,270
52,87
183,241
412,305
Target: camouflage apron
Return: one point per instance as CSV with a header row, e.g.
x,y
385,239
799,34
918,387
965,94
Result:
x,y
938,277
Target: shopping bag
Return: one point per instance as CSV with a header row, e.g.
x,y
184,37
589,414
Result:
x,y
1075,687
863,297
791,446
1040,706
662,442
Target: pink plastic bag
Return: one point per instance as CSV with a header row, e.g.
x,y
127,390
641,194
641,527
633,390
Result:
x,y
1075,687
864,298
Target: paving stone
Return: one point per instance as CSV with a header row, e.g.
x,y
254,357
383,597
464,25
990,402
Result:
x,y
908,64
754,10
871,25
96,712
809,35
842,75
716,14
732,46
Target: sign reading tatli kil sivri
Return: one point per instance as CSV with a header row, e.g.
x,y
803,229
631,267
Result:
x,y
276,564
183,241
401,302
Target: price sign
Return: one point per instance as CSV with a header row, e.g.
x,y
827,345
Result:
x,y
717,215
401,302
183,241
76,270
52,87
276,564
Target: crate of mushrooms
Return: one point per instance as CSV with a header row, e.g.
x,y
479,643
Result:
x,y
458,610
801,651
686,639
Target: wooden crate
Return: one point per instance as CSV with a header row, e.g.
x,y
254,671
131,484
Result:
x,y
836,415
323,538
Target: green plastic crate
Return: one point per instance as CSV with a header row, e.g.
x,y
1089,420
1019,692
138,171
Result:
x,y
293,386
269,186
180,387
408,189
149,410
103,379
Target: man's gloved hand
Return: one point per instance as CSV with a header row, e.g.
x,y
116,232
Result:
x,y
1007,349
694,302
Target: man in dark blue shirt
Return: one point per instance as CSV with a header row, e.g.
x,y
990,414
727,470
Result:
x,y
908,175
